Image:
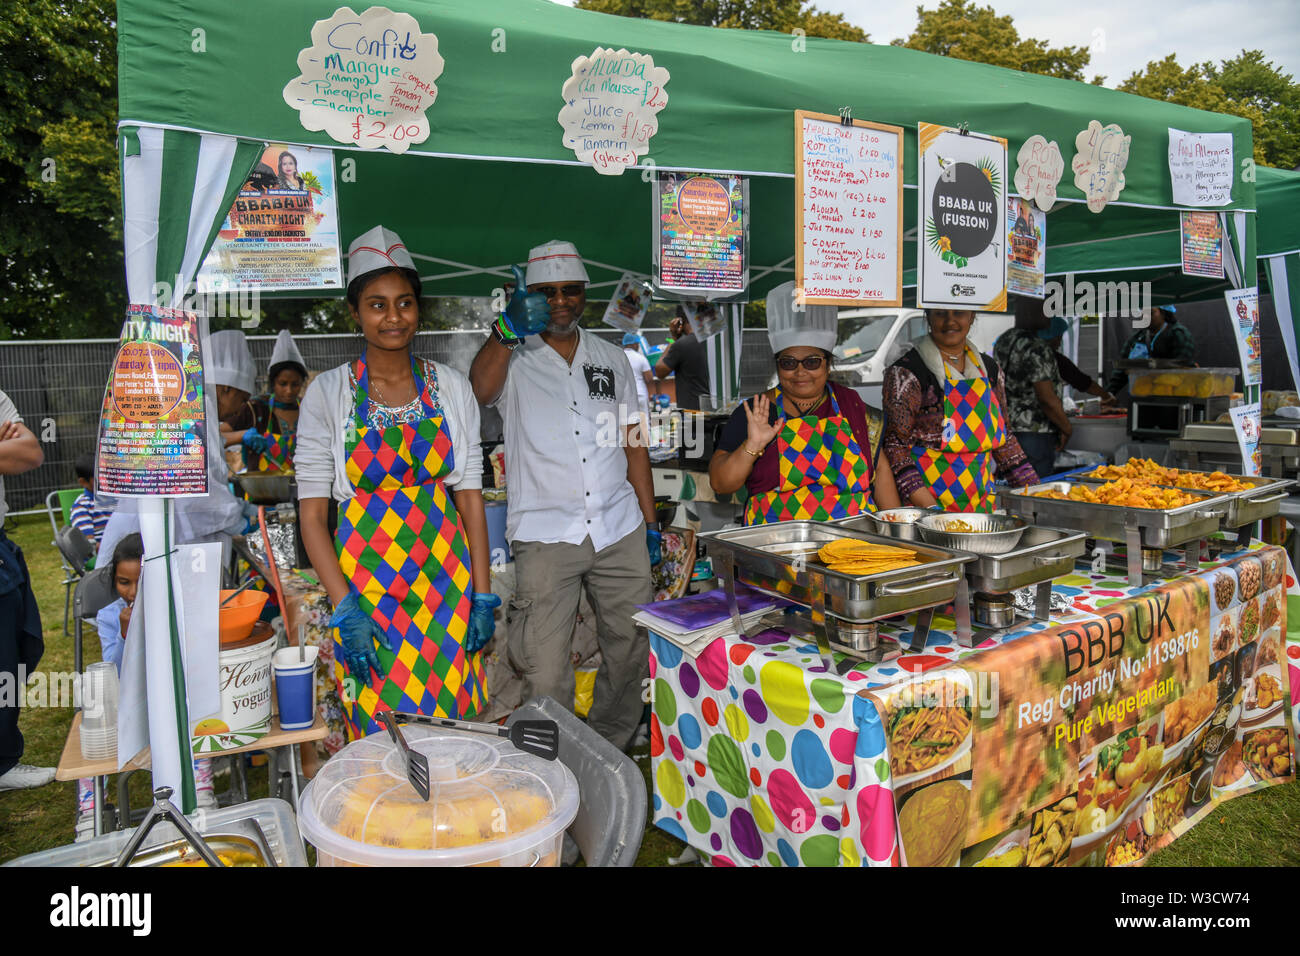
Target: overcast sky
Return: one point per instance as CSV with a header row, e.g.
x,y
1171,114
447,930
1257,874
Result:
x,y
1128,33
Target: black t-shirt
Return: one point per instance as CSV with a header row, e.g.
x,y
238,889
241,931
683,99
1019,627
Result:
x,y
1072,375
688,359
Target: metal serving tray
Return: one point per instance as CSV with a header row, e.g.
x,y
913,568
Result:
x,y
1155,527
1211,431
1043,554
781,559
1261,500
1276,461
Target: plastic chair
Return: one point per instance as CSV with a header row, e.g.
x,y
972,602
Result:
x,y
612,807
95,591
75,550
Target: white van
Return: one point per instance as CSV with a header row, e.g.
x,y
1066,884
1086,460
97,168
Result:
x,y
870,340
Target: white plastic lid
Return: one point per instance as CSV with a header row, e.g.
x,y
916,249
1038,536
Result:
x,y
489,803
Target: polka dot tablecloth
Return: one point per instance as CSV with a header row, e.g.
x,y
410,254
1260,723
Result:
x,y
760,757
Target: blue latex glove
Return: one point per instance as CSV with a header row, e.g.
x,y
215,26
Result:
x,y
481,622
527,313
654,544
255,441
358,633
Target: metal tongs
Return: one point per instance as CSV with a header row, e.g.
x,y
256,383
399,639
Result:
x,y
163,808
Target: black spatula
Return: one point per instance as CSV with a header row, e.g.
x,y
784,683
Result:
x,y
541,738
417,764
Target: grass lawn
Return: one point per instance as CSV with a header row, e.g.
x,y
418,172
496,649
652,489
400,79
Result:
x,y
1255,830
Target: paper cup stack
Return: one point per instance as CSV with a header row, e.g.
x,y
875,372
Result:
x,y
99,711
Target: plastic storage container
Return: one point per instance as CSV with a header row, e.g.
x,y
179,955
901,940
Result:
x,y
489,805
1181,382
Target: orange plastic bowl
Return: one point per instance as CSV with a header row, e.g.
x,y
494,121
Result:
x,y
235,620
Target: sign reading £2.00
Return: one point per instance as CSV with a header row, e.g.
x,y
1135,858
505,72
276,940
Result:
x,y
367,79
611,108
1099,161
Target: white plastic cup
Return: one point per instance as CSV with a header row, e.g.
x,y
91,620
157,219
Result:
x,y
99,695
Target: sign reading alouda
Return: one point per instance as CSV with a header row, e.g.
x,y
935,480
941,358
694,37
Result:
x,y
962,201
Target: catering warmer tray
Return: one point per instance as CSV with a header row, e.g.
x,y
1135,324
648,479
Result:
x,y
1043,554
781,559
1261,500
1210,431
1155,527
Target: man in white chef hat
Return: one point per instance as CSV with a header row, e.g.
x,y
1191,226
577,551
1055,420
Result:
x,y
580,498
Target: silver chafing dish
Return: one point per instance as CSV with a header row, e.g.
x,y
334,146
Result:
x,y
1137,528
1211,446
781,559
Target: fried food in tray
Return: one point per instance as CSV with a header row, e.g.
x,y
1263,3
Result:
x,y
1267,753
856,557
1125,493
1147,471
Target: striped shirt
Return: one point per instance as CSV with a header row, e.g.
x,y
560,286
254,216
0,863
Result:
x,y
87,517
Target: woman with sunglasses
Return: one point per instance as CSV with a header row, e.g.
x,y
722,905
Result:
x,y
807,449
947,437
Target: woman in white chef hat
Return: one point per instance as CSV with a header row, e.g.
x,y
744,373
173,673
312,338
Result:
x,y
808,449
272,449
395,440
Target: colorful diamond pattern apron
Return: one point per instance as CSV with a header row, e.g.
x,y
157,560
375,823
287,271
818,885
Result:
x,y
961,473
400,544
824,474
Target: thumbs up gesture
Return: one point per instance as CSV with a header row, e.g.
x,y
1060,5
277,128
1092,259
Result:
x,y
527,313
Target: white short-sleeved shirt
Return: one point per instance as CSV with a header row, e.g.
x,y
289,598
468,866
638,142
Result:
x,y
8,413
640,365
566,468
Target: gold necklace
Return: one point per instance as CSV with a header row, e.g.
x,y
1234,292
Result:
x,y
379,390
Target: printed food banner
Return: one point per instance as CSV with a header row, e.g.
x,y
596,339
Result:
x,y
1103,739
1243,311
152,429
1202,244
701,242
961,263
1026,248
283,230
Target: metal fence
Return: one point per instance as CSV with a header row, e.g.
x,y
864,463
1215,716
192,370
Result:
x,y
58,387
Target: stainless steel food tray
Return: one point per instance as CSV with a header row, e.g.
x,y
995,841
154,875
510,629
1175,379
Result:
x,y
781,559
1043,554
1261,500
1155,527
1210,431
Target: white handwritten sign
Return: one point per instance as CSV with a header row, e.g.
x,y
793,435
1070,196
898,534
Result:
x,y
1101,153
1200,167
1039,166
367,79
611,107
849,211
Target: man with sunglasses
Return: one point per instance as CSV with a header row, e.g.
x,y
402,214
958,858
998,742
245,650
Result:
x,y
580,501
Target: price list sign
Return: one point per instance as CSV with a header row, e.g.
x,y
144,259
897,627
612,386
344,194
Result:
x,y
848,211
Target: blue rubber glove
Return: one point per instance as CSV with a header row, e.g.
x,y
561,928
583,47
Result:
x,y
358,633
527,313
654,544
481,622
255,441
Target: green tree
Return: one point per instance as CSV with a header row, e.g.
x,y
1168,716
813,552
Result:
x,y
61,235
964,31
781,15
1248,86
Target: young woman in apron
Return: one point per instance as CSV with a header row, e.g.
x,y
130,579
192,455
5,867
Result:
x,y
407,569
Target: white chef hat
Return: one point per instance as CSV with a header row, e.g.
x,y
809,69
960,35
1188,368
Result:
x,y
230,361
380,248
814,325
555,261
285,353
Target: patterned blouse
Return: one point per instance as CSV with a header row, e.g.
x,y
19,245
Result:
x,y
381,416
914,415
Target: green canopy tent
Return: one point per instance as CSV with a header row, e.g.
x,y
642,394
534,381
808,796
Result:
x,y
199,80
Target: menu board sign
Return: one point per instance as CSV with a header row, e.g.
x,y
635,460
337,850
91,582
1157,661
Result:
x,y
152,429
848,211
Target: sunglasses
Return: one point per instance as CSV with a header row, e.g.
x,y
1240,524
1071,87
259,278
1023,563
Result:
x,y
812,363
569,291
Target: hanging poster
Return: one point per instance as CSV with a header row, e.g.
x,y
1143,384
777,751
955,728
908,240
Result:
x,y
1246,423
961,263
702,241
1202,244
1101,154
1243,310
282,231
611,108
704,318
367,79
152,429
1200,168
848,208
1038,171
1026,248
629,304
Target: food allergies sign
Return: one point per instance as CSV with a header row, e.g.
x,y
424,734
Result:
x,y
152,429
367,79
961,263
